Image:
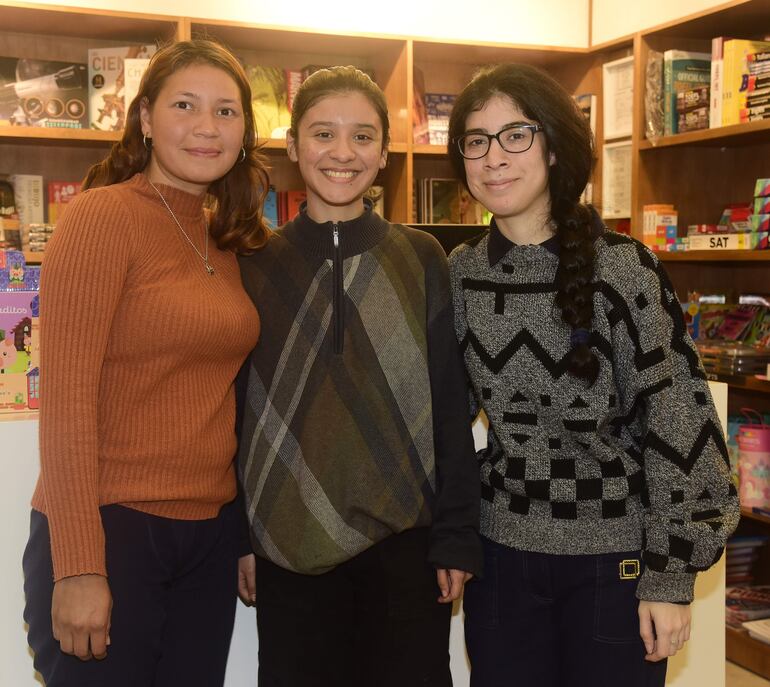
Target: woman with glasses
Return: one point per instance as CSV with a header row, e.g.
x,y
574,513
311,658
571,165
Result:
x,y
605,482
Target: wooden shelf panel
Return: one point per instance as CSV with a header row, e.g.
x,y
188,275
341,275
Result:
x,y
41,134
745,382
733,135
715,256
99,25
35,258
473,52
739,18
748,652
759,517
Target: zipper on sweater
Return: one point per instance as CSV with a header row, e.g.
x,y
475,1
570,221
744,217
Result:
x,y
338,302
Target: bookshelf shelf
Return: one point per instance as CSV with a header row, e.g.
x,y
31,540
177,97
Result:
x,y
734,135
751,515
722,256
40,134
747,651
33,258
746,383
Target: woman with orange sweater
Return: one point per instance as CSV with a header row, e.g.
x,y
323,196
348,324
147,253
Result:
x,y
132,556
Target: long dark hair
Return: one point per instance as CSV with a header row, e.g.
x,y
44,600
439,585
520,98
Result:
x,y
568,137
236,222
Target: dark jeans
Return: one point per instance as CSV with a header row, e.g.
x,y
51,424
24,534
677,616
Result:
x,y
555,621
173,584
373,621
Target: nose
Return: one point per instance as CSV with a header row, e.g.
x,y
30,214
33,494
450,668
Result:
x,y
496,156
342,149
206,124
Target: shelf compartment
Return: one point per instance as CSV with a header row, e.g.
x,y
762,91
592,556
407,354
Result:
x,y
733,135
42,134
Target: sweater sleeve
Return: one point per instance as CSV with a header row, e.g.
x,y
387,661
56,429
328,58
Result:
x,y
671,421
82,280
454,534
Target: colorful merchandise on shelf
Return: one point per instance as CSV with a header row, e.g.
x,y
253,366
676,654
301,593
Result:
x,y
19,334
59,194
107,84
686,84
738,67
439,107
754,461
28,192
43,93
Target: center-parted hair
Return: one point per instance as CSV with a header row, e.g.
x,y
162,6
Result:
x,y
236,222
338,81
568,137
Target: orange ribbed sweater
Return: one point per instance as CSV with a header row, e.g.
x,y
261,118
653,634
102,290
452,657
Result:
x,y
139,350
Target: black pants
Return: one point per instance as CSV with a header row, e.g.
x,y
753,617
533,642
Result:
x,y
556,621
173,584
372,621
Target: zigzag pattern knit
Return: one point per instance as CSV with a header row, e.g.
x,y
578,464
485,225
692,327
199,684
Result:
x,y
635,461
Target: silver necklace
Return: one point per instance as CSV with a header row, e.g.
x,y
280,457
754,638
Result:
x,y
203,256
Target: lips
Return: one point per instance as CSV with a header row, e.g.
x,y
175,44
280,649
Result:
x,y
203,152
342,174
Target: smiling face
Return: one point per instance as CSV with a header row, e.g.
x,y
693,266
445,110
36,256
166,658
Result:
x,y
513,186
339,150
197,128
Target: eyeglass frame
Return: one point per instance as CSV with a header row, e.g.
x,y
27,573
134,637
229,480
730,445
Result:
x,y
534,128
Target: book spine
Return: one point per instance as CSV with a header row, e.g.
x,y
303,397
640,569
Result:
x,y
668,109
715,102
729,99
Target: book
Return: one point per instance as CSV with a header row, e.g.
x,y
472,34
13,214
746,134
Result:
x,y
293,82
269,100
134,69
717,81
736,59
743,241
439,107
59,194
377,195
28,192
43,93
683,70
293,201
107,84
270,209
759,630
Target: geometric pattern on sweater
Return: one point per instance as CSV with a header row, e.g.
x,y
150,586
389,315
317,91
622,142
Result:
x,y
617,466
322,481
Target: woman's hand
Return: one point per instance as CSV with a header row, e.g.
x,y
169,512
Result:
x,y
247,587
451,583
664,628
80,612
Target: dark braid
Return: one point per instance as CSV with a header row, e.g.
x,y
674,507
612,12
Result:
x,y
570,142
574,277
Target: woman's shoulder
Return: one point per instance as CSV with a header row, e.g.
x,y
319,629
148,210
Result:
x,y
619,256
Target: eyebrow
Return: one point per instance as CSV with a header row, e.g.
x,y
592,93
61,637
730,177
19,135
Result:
x,y
502,128
190,94
359,125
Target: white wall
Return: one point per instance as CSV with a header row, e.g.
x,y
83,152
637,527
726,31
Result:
x,y
615,18
546,22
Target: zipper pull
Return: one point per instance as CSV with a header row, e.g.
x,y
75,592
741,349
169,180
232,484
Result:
x,y
336,235
338,298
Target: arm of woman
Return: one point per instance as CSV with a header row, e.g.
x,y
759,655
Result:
x,y
669,413
81,285
455,546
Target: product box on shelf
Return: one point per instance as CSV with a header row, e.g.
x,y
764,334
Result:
x,y
43,93
19,334
59,194
107,84
28,192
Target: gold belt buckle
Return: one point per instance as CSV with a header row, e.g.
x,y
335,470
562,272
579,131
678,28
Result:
x,y
629,569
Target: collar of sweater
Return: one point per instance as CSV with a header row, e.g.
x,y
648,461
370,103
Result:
x,y
356,236
184,205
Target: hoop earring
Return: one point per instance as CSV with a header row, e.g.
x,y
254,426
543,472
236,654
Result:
x,y
144,142
243,154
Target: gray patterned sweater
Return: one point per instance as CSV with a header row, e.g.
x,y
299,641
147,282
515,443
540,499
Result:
x,y
637,461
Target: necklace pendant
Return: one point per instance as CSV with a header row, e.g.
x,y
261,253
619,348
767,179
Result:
x,y
209,269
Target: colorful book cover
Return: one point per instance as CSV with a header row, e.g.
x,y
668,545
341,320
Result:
x,y
43,93
683,70
59,194
269,100
107,84
736,66
293,201
439,107
293,82
444,201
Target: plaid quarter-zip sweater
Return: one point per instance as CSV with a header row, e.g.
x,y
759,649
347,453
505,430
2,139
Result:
x,y
636,461
354,419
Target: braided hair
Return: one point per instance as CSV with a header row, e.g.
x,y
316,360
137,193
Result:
x,y
569,139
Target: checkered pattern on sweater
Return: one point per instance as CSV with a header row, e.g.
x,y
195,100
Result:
x,y
635,461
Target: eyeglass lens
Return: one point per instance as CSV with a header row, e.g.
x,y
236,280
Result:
x,y
514,139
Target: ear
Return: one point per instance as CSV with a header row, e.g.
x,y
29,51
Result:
x,y
145,117
291,146
551,159
384,158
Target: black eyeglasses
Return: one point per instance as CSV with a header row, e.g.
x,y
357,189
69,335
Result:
x,y
513,139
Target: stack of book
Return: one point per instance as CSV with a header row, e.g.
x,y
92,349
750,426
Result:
x,y
746,603
740,81
742,551
659,227
759,630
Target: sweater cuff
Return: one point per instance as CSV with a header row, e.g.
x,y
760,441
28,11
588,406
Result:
x,y
457,551
669,587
